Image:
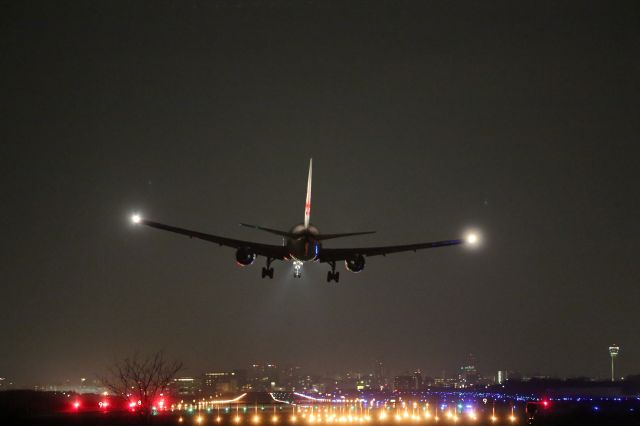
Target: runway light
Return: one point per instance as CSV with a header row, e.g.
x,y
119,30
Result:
x,y
199,419
180,419
136,218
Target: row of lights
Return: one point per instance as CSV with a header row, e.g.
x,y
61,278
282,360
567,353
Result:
x,y
452,416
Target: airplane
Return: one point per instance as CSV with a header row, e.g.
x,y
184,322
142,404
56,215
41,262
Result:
x,y
303,243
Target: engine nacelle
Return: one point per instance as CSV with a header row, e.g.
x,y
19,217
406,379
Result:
x,y
355,263
244,256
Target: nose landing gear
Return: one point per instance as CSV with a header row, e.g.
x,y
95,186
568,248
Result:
x,y
297,269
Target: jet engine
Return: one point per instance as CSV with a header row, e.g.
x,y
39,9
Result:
x,y
244,256
355,263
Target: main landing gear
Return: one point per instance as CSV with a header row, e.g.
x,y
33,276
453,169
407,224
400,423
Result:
x,y
332,275
268,270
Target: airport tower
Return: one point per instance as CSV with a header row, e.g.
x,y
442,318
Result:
x,y
613,351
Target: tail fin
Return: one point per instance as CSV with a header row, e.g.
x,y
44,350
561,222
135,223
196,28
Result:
x,y
307,206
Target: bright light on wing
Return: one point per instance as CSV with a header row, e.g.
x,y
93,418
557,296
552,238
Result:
x,y
472,238
136,218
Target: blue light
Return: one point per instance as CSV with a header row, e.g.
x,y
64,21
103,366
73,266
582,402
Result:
x,y
596,408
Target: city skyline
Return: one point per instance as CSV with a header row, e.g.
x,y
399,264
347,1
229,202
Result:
x,y
456,377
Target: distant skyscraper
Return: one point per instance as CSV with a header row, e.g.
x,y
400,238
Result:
x,y
502,376
403,383
468,374
613,351
380,374
417,379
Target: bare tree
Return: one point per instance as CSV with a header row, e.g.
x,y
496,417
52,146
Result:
x,y
141,379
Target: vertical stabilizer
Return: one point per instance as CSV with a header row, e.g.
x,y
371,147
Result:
x,y
307,206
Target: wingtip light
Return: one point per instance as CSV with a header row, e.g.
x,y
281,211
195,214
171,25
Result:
x,y
472,238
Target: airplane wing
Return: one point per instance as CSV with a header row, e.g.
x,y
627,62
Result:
x,y
333,255
266,250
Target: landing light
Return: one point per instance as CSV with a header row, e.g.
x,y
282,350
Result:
x,y
472,238
136,218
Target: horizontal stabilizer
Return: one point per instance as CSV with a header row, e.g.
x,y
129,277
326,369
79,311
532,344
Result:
x,y
273,231
348,234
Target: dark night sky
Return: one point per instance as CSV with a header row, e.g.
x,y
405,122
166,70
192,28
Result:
x,y
423,119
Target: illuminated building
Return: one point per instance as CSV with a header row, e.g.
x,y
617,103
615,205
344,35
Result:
x,y
223,382
263,377
403,383
417,379
380,375
185,386
468,374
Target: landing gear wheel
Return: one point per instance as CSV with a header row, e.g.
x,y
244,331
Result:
x,y
267,272
333,276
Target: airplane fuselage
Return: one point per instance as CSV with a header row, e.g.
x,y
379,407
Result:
x,y
303,246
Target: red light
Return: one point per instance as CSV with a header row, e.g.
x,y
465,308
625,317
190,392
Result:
x,y
545,403
76,405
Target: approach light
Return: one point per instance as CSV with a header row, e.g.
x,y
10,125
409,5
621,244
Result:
x,y
136,218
